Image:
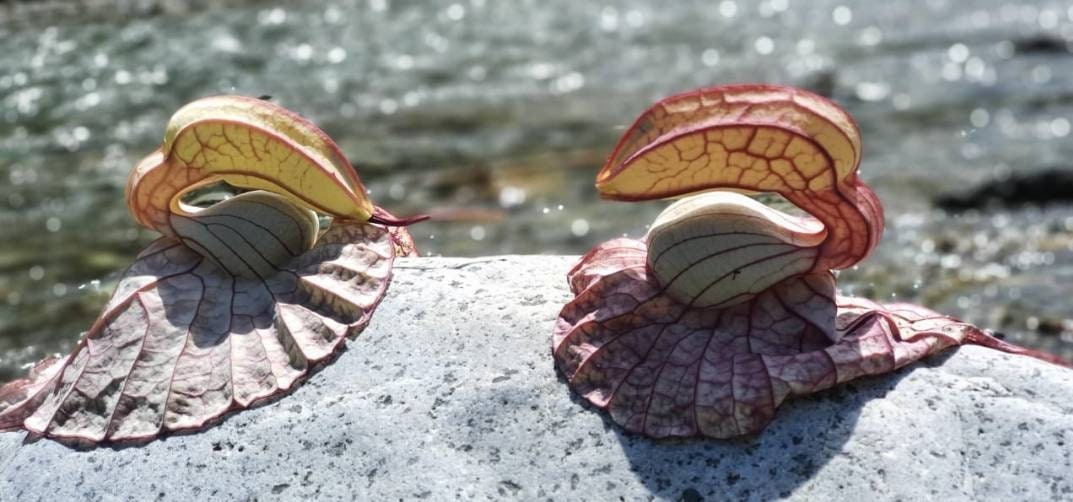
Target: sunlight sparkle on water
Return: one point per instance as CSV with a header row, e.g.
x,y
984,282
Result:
x,y
389,106
1060,127
273,17
873,91
455,12
568,83
728,9
477,233
870,36
764,45
609,19
710,57
579,227
958,52
511,196
842,15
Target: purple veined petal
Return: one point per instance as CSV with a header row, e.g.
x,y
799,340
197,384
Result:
x,y
183,341
20,398
728,307
663,369
238,301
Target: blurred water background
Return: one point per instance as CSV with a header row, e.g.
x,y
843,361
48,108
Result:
x,y
495,116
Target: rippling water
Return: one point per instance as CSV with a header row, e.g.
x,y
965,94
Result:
x,y
494,117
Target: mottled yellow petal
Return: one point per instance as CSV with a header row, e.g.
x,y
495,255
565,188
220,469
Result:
x,y
253,143
753,138
750,139
248,143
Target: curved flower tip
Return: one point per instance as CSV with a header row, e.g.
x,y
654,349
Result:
x,y
728,307
238,301
400,236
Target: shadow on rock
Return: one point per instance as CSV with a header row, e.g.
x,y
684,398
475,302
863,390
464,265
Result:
x,y
806,434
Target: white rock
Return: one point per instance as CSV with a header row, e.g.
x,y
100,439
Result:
x,y
451,392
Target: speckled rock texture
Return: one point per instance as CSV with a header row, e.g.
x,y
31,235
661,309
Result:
x,y
451,394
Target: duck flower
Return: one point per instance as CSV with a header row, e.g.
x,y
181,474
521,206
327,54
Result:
x,y
727,307
237,302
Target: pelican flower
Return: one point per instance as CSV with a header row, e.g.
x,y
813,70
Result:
x,y
237,302
727,307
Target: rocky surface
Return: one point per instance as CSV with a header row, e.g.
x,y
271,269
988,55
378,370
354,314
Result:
x,y
451,393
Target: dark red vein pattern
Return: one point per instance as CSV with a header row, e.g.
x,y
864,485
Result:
x,y
663,369
181,342
735,310
239,300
